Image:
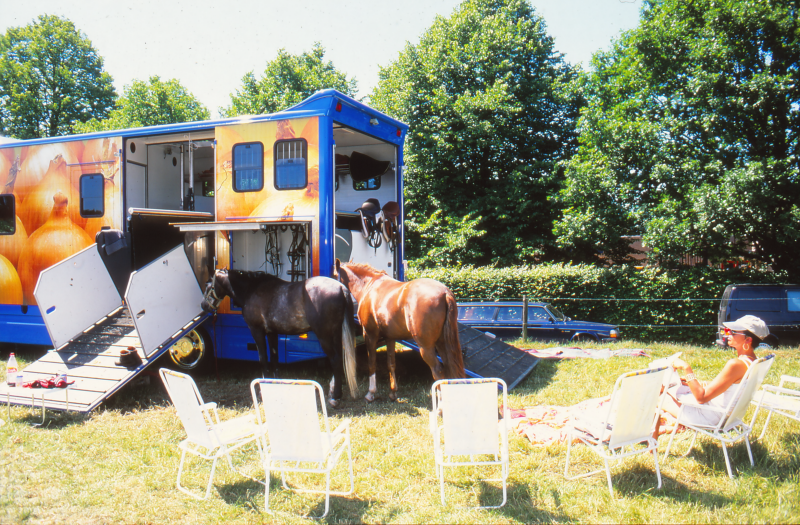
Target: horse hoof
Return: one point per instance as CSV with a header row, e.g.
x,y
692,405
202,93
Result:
x,y
333,402
370,397
393,396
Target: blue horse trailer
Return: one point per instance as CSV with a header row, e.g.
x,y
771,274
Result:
x,y
107,239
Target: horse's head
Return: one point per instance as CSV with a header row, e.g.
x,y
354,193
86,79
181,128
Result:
x,y
216,290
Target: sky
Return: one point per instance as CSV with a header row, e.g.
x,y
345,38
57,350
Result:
x,y
210,45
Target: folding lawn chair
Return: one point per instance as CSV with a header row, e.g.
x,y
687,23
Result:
x,y
293,412
470,433
731,427
206,436
778,400
630,419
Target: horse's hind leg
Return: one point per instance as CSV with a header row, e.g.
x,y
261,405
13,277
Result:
x,y
392,366
371,340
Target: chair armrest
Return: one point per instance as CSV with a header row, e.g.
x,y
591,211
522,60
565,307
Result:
x,y
208,406
340,433
779,390
789,379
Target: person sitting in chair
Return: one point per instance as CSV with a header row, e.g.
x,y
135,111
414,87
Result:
x,y
743,335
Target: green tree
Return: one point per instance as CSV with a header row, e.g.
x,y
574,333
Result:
x,y
489,122
691,136
50,79
287,80
150,103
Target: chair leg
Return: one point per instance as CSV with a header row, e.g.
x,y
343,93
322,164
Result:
x,y
764,430
266,488
180,472
608,477
327,493
211,478
655,460
749,451
441,482
727,460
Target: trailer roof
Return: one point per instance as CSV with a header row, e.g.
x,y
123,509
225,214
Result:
x,y
328,102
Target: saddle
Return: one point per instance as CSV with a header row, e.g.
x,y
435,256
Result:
x,y
379,224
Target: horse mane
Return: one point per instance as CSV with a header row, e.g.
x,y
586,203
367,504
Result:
x,y
364,268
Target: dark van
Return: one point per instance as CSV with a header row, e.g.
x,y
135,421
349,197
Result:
x,y
777,304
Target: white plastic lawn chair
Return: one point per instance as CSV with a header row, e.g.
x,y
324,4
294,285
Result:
x,y
470,433
778,400
629,420
731,427
300,438
206,436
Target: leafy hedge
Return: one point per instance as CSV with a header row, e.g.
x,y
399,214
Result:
x,y
604,294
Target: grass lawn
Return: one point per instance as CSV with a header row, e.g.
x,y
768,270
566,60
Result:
x,y
118,464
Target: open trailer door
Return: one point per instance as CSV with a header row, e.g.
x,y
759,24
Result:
x,y
487,356
89,325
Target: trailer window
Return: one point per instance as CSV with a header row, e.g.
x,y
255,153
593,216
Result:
x,y
369,184
291,171
248,166
92,202
8,222
793,296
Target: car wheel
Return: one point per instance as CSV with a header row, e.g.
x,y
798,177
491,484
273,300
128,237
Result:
x,y
583,338
192,353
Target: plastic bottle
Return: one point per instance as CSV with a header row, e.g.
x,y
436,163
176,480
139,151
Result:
x,y
11,370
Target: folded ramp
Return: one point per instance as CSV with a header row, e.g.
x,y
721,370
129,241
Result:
x,y
486,356
89,324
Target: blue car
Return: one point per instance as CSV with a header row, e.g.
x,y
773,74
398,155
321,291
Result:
x,y
545,322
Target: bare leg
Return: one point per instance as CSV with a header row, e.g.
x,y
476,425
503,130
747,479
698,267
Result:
x,y
392,366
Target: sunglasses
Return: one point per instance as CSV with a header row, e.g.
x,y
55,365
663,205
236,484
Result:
x,y
728,331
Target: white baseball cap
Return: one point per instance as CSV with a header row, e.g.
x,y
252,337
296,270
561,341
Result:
x,y
749,323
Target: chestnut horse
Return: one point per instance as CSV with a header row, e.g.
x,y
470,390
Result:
x,y
422,309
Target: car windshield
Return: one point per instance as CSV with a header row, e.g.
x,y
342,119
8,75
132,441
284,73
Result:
x,y
555,312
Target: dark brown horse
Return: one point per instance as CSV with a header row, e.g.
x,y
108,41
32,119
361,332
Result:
x,y
422,309
272,306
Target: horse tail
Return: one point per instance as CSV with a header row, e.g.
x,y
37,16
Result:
x,y
453,359
349,344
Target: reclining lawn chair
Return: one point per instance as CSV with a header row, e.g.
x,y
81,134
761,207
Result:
x,y
630,419
731,427
470,433
206,436
296,442
778,400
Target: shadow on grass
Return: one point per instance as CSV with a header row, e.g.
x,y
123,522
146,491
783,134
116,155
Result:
x,y
540,377
249,494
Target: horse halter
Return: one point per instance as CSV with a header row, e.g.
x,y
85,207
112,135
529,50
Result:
x,y
210,295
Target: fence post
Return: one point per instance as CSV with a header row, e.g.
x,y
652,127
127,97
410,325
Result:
x,y
524,318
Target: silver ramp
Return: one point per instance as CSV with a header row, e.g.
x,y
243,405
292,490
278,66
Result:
x,y
485,356
79,288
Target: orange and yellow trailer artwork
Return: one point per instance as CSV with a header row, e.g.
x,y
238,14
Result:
x,y
45,182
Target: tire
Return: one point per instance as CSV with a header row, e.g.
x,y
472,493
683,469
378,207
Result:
x,y
193,353
583,338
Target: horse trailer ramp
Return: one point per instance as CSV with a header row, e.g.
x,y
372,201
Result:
x,y
486,356
161,305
